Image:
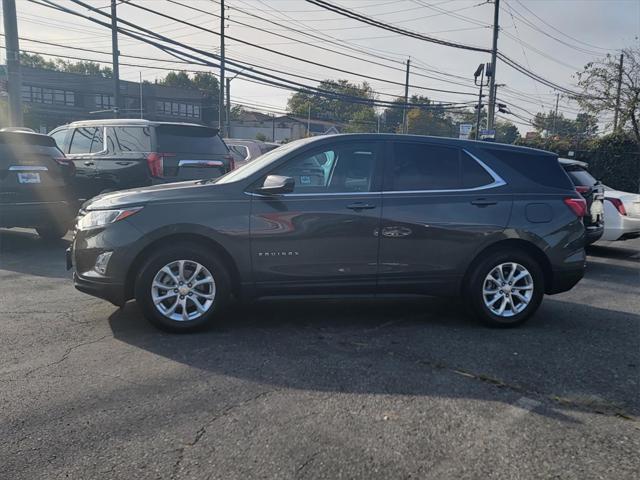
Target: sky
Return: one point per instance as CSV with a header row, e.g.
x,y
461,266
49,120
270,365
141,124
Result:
x,y
554,38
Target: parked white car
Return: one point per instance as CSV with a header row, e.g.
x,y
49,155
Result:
x,y
621,215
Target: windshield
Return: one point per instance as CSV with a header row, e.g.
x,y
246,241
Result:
x,y
256,165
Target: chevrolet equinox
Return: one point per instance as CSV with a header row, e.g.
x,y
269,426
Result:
x,y
496,225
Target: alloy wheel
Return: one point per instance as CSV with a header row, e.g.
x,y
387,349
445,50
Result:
x,y
507,290
183,290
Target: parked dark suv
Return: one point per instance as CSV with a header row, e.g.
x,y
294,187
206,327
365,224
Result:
x,y
112,155
34,184
349,214
593,192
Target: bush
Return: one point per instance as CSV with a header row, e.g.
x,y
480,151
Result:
x,y
615,160
261,137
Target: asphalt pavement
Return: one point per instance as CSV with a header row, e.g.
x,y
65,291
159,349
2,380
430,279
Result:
x,y
386,388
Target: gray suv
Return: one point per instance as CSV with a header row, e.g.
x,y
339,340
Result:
x,y
497,225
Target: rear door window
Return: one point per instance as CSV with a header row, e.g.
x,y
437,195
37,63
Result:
x,y
240,152
421,166
187,139
97,145
129,139
82,140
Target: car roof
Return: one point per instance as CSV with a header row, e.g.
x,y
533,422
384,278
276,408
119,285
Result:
x,y
367,137
129,122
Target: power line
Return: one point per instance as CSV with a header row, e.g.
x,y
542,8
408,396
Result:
x,y
362,18
278,82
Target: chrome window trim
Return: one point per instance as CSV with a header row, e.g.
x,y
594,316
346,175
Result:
x,y
27,168
200,163
497,182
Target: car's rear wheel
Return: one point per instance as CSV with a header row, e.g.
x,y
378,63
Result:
x,y
505,288
182,288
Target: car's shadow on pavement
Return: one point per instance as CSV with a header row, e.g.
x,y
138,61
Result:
x,y
414,347
23,251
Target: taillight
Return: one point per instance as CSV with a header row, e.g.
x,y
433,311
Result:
x,y
577,205
616,202
67,163
582,189
155,161
232,162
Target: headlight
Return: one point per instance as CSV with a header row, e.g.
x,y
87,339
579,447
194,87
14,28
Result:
x,y
100,218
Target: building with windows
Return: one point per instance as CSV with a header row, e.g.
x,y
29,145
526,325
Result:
x,y
53,98
282,128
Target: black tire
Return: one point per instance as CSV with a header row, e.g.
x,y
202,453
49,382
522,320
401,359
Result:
x,y
193,252
475,283
52,232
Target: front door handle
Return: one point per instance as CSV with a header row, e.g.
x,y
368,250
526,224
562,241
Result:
x,y
483,202
360,206
89,163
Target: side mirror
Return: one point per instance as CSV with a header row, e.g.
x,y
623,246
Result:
x,y
277,185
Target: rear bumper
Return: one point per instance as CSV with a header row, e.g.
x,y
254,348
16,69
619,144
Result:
x,y
36,214
621,228
593,233
112,292
564,280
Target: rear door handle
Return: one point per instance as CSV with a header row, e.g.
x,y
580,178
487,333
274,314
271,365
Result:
x,y
360,206
483,202
89,163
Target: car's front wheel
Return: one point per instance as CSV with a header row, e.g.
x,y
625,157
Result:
x,y
182,288
52,231
505,288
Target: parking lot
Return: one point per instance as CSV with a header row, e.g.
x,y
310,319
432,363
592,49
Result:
x,y
404,388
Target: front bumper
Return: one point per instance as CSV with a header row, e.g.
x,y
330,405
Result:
x,y
112,292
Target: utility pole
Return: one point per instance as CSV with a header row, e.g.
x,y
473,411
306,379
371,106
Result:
x,y
222,66
479,73
14,79
273,127
141,108
494,54
309,120
228,81
617,111
555,115
115,54
405,123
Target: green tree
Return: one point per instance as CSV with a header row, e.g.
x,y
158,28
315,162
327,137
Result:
x,y
81,67
206,83
584,125
506,132
334,109
599,81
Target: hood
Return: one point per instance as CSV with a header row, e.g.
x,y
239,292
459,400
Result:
x,y
166,192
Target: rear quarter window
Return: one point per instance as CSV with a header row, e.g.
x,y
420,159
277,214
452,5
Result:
x,y
187,139
579,176
539,168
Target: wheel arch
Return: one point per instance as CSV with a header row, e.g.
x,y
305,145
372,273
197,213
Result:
x,y
518,244
172,239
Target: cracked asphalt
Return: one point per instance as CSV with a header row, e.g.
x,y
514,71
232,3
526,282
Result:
x,y
317,389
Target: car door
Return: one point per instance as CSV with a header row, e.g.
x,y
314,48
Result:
x,y
123,164
440,203
85,145
322,238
